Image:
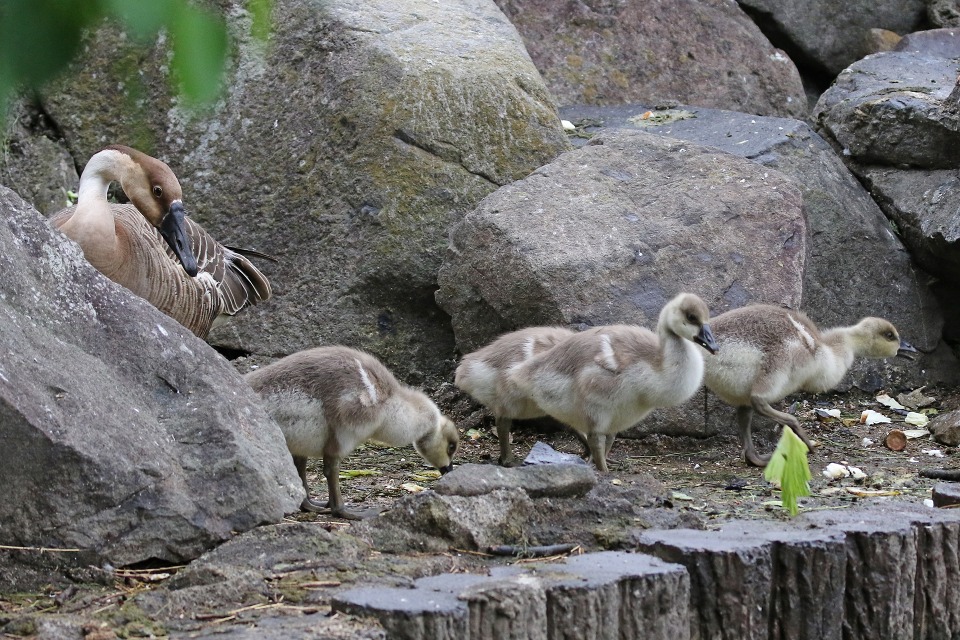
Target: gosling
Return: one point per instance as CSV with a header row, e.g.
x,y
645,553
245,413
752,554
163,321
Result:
x,y
485,375
329,400
606,379
770,352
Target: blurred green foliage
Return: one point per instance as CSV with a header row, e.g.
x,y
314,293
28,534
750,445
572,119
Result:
x,y
39,39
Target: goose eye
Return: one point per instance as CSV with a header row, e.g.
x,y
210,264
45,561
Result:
x,y
157,191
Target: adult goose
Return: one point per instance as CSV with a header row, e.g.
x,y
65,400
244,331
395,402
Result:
x,y
152,248
770,352
606,379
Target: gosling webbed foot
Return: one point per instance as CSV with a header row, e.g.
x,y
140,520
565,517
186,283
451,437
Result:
x,y
342,512
510,461
753,458
312,506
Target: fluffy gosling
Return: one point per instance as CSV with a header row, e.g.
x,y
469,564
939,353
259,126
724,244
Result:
x,y
770,352
606,379
485,375
329,400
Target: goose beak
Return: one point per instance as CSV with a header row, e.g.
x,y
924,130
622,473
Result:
x,y
173,228
447,469
906,349
705,339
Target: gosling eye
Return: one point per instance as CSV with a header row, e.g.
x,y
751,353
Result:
x,y
157,191
889,336
692,319
452,448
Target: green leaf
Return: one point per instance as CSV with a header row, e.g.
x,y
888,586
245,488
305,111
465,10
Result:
x,y
347,474
38,38
142,19
199,53
788,467
260,12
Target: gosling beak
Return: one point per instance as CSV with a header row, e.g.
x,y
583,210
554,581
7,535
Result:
x,y
173,228
447,469
906,349
705,339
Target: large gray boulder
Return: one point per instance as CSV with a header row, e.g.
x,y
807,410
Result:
x,y
705,52
923,205
826,35
856,265
345,148
892,108
34,163
609,232
897,115
123,435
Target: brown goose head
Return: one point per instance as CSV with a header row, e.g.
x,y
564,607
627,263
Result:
x,y
154,189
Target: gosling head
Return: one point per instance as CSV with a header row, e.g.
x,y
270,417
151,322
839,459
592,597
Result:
x,y
687,316
440,445
878,338
154,189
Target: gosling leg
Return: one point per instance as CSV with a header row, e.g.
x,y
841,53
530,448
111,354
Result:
x,y
610,438
582,439
507,459
764,409
331,469
749,453
598,450
307,505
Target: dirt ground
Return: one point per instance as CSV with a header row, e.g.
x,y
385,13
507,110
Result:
x,y
700,478
703,475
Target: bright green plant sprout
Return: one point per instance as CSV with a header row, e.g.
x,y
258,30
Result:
x,y
788,468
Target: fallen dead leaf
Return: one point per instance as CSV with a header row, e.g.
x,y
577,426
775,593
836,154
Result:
x,y
870,417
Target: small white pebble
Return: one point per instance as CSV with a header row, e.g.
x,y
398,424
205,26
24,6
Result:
x,y
567,125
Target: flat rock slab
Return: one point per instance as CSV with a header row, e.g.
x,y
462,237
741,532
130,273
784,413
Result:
x,y
429,521
539,481
597,595
940,43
